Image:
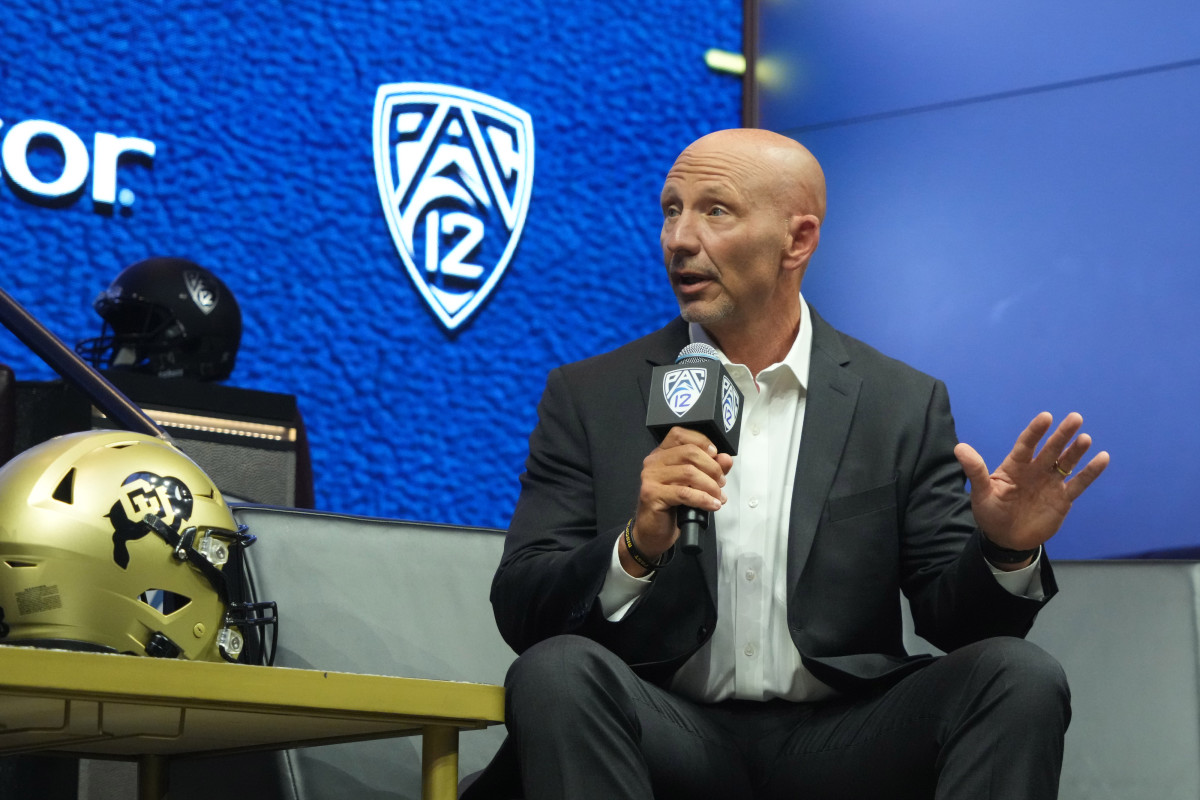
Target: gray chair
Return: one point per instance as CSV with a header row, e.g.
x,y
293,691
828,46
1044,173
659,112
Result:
x,y
399,598
366,596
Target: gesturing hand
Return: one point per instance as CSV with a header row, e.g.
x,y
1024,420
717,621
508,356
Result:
x,y
1024,502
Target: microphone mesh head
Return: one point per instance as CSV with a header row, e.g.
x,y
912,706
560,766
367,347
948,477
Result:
x,y
696,352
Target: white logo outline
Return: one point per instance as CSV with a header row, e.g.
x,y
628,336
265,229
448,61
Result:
x,y
682,387
204,296
407,180
729,403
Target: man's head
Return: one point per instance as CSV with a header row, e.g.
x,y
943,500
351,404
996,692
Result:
x,y
742,213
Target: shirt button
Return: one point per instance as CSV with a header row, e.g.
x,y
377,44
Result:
x,y
754,430
752,502
749,651
750,574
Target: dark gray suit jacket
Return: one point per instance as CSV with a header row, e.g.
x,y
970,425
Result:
x,y
878,507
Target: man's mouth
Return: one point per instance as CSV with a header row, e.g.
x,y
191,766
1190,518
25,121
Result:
x,y
691,282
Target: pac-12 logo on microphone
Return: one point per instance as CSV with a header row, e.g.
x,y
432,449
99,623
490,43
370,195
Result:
x,y
455,173
682,388
729,402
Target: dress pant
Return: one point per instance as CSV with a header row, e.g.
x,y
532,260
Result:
x,y
985,722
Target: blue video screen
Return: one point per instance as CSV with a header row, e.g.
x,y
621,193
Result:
x,y
421,207
1010,199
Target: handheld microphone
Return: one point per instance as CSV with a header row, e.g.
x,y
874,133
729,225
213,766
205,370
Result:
x,y
696,393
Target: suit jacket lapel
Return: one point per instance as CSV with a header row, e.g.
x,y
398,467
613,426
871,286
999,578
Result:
x,y
662,349
829,408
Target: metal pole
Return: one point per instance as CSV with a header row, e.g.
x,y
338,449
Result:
x,y
439,762
75,370
750,45
153,777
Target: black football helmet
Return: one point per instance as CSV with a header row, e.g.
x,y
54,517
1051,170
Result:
x,y
168,317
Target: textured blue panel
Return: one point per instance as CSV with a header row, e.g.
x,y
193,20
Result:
x,y
261,113
831,61
1038,252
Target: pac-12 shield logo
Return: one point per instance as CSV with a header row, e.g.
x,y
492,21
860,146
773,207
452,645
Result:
x,y
204,294
729,402
455,173
682,388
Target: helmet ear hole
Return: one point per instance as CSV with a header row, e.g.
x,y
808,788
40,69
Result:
x,y
65,491
164,600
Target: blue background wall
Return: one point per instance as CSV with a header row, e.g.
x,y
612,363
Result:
x,y
1011,193
261,113
1012,198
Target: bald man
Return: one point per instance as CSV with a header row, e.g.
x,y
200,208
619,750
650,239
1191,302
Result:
x,y
771,665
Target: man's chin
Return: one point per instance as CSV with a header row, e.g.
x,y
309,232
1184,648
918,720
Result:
x,y
703,312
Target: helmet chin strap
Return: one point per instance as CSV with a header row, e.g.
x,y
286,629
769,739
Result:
x,y
161,646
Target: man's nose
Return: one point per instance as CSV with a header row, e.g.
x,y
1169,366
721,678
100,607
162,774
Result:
x,y
679,235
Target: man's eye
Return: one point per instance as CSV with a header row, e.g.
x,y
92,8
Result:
x,y
670,213
717,211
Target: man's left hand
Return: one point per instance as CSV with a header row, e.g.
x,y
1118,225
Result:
x,y
1024,502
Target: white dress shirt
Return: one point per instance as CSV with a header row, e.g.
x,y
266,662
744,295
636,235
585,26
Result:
x,y
750,655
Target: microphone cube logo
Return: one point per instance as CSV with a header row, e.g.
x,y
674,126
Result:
x,y
683,387
454,170
730,402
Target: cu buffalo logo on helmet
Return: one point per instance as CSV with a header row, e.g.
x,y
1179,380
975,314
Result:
x,y
144,493
454,169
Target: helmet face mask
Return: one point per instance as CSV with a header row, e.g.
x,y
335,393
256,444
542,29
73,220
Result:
x,y
117,542
168,317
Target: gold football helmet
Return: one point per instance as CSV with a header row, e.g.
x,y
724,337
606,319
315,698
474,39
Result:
x,y
116,541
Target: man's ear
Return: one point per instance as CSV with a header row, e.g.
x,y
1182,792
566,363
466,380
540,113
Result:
x,y
804,232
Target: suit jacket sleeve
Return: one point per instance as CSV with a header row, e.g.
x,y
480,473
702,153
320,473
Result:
x,y
554,559
579,488
954,597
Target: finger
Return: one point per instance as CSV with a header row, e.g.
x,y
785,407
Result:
x,y
697,498
1074,454
1077,485
672,465
726,462
680,436
682,465
664,496
1053,450
1026,444
972,463
682,475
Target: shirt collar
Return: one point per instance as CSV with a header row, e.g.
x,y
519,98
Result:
x,y
798,357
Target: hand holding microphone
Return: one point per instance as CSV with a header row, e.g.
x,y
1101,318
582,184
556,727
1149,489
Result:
x,y
696,394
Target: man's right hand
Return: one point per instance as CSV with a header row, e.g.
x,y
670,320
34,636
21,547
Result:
x,y
685,470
